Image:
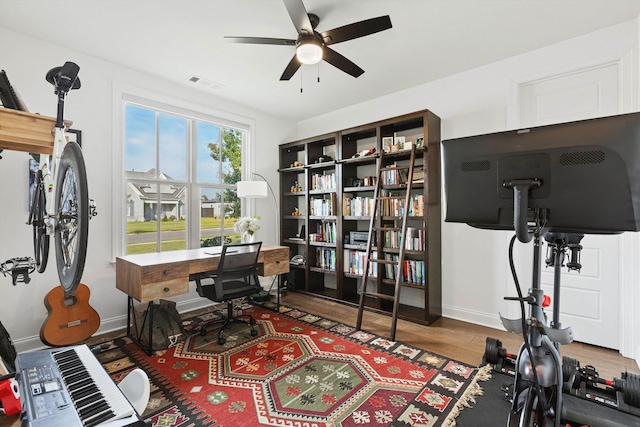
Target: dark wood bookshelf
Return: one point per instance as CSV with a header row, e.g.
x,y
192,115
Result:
x,y
423,302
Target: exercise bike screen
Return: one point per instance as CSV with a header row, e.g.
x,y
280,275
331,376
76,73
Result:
x,y
586,174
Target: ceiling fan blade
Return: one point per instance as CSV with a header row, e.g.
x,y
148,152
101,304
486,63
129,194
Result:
x,y
299,16
357,29
291,69
340,62
261,40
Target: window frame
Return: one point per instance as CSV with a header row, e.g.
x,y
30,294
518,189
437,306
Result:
x,y
123,95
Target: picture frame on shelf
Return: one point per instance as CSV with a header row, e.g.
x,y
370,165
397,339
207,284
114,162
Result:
x,y
420,142
387,143
399,143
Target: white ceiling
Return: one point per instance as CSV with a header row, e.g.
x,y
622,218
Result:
x,y
430,39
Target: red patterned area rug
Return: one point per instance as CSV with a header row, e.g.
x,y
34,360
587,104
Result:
x,y
301,370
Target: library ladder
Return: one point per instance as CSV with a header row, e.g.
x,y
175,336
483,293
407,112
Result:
x,y
382,204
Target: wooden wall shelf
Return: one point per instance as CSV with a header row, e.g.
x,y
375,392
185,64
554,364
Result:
x,y
22,131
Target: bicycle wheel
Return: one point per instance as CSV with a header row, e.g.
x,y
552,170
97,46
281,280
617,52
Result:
x,y
72,212
36,218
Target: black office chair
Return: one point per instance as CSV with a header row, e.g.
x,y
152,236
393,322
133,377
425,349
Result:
x,y
236,277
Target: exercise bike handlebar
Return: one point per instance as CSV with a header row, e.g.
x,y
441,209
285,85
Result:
x,y
521,189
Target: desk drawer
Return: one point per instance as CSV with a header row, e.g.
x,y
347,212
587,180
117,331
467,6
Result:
x,y
165,289
274,261
163,280
163,272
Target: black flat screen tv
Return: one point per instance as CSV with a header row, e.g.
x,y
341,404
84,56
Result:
x,y
585,175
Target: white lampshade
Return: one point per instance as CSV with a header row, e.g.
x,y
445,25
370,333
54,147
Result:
x,y
309,53
252,189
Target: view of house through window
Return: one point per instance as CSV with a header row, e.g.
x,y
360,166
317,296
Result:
x,y
179,170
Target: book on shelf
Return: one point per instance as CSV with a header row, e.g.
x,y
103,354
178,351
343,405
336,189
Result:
x,y
323,182
354,261
334,203
395,205
402,176
395,176
346,204
326,232
357,206
413,271
390,269
324,206
326,258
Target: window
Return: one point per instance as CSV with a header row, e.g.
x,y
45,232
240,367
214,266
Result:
x,y
180,174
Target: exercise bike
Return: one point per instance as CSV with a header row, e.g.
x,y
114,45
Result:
x,y
537,393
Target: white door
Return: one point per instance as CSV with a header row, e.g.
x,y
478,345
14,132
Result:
x,y
589,300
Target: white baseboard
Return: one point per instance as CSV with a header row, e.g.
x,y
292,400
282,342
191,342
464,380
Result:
x,y
475,317
109,325
28,344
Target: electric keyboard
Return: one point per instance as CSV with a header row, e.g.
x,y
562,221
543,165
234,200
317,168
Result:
x,y
69,387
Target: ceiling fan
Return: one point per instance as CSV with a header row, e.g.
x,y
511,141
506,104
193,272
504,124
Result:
x,y
312,47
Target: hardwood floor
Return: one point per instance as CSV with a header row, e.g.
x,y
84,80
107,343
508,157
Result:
x,y
458,340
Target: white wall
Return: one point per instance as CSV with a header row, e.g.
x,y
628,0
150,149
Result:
x,y
474,262
475,270
26,61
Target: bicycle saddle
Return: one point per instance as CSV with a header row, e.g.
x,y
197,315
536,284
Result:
x,y
65,77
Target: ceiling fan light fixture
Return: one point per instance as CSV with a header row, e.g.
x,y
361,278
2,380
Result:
x,y
309,52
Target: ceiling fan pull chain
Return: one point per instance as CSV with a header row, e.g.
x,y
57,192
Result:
x,y
300,82
318,72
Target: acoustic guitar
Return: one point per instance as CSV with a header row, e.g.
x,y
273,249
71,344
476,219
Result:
x,y
71,319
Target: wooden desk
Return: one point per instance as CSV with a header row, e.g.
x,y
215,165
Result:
x,y
148,277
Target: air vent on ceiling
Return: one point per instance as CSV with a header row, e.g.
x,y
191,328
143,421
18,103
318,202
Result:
x,y
204,82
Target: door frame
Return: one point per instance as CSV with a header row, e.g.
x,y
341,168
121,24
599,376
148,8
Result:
x,y
626,61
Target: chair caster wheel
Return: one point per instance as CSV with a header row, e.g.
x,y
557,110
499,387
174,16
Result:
x,y
222,340
252,321
254,332
203,331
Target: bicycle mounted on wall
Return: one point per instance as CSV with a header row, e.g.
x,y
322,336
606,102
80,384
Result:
x,y
60,204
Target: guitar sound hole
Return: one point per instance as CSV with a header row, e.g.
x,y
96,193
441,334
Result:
x,y
70,300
